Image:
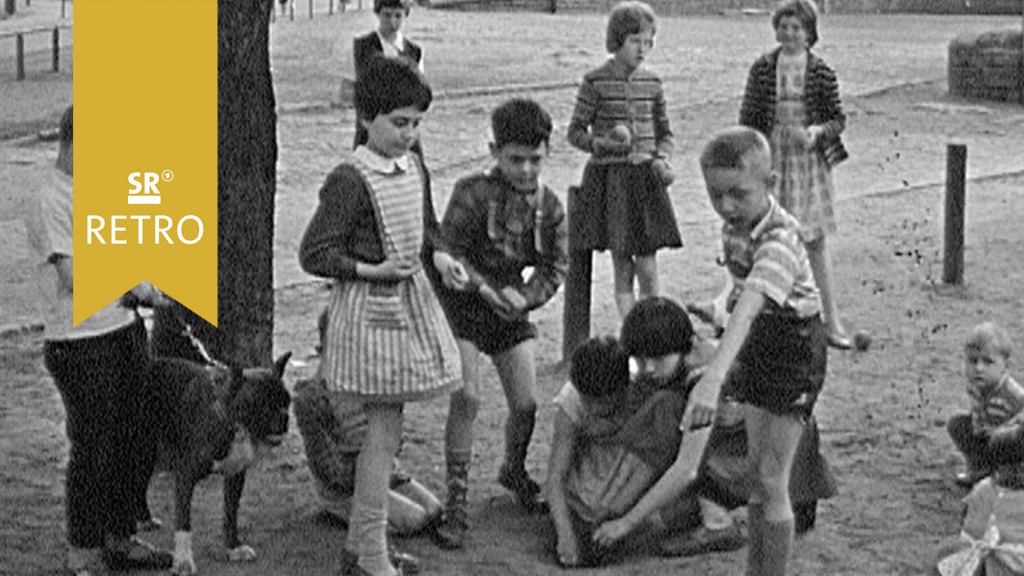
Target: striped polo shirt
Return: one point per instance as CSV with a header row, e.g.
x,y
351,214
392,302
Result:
x,y
609,96
772,260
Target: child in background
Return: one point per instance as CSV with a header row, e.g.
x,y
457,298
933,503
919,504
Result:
x,y
387,341
774,347
387,40
996,399
501,224
792,97
622,204
991,540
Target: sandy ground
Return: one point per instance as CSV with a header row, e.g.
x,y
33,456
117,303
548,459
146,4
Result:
x,y
882,413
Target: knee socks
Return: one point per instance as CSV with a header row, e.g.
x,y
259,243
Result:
x,y
367,523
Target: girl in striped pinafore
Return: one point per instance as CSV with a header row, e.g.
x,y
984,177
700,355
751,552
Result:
x,y
387,340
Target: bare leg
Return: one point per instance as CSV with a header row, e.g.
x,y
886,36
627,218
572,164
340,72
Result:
x,y
647,275
821,265
773,440
623,269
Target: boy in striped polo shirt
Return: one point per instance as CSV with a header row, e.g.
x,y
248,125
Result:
x,y
774,346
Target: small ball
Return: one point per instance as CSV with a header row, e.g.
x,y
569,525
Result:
x,y
861,341
621,133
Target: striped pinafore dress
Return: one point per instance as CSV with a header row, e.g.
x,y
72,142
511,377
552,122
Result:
x,y
390,341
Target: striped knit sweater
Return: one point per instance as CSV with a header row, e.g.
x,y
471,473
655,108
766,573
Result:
x,y
821,96
609,96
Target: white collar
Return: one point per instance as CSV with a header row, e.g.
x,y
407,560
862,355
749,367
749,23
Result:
x,y
378,163
399,42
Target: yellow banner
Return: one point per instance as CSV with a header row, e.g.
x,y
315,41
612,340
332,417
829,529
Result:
x,y
145,183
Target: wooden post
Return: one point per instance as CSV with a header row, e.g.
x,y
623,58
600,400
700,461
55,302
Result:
x,y
19,49
56,49
576,309
291,10
956,172
310,9
330,7
62,3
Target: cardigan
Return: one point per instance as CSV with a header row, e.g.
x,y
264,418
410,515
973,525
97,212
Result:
x,y
344,230
821,96
608,97
366,47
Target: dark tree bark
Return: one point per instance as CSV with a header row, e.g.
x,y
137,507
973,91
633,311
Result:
x,y
247,173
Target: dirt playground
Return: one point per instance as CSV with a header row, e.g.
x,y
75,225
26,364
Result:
x,y
882,413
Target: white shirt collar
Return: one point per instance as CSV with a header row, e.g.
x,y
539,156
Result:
x,y
397,45
378,163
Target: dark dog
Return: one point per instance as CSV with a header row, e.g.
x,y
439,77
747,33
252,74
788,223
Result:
x,y
213,420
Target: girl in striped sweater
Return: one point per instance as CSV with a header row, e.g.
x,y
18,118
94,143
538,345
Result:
x,y
622,204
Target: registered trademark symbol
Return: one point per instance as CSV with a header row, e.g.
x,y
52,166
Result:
x,y
167,175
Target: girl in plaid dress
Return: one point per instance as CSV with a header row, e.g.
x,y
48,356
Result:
x,y
792,98
387,341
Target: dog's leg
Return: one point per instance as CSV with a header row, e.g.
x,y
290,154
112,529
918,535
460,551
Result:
x,y
184,485
237,552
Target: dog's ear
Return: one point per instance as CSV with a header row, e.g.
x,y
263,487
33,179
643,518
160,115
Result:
x,y
281,363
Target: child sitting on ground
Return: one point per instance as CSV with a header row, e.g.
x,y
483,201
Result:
x,y
996,399
614,438
333,430
991,542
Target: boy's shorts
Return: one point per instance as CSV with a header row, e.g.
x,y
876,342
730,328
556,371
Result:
x,y
472,319
781,367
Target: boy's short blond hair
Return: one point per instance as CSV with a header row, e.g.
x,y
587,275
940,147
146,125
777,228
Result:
x,y
989,335
730,147
627,18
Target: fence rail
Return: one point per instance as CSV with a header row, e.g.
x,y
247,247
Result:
x,y
19,46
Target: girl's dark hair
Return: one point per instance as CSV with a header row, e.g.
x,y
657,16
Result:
x,y
803,10
520,121
657,327
388,84
379,5
66,127
599,367
627,18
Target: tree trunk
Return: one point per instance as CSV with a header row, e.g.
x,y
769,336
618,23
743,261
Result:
x,y
247,173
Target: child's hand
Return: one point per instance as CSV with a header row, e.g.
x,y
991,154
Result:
x,y
452,272
703,403
603,146
514,298
814,134
500,306
611,532
390,270
144,294
663,171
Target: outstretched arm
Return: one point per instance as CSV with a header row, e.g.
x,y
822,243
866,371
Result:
x,y
680,475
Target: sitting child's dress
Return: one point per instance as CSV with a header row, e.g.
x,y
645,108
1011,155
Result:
x,y
991,542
